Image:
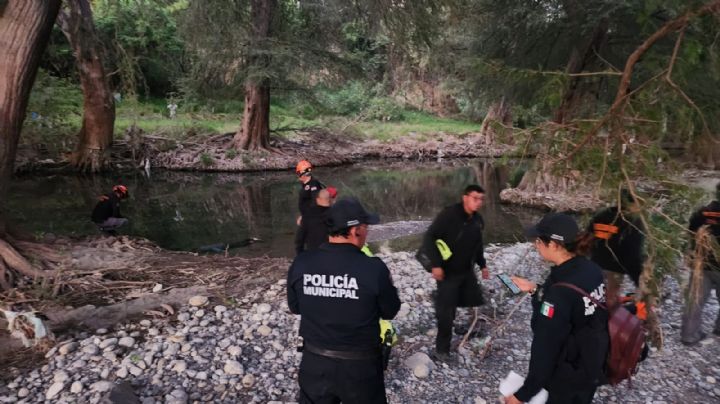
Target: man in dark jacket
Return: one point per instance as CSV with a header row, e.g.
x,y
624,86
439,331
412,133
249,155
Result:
x,y
618,245
313,230
341,294
106,214
309,186
705,220
459,227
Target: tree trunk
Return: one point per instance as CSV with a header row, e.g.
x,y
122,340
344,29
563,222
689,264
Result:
x,y
499,117
98,105
579,61
254,132
25,28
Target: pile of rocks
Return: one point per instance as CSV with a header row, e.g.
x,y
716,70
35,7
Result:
x,y
244,350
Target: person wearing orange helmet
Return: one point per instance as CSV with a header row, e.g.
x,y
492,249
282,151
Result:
x,y
106,214
309,186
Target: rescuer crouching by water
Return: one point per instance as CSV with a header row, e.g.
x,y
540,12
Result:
x,y
341,294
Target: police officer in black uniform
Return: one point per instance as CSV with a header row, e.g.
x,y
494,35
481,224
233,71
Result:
x,y
709,218
460,227
618,244
340,294
570,335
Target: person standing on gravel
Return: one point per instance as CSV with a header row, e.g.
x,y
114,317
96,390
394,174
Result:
x,y
705,225
341,294
458,230
618,244
570,334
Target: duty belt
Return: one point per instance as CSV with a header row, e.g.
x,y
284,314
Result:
x,y
350,355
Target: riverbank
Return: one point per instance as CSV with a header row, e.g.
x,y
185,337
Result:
x,y
240,348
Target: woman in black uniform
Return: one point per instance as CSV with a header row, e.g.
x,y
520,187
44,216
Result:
x,y
570,336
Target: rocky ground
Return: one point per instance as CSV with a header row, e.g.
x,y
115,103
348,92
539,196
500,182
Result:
x,y
242,349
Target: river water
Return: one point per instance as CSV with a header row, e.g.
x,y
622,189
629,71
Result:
x,y
183,210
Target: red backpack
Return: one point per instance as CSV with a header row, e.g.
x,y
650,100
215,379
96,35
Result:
x,y
627,339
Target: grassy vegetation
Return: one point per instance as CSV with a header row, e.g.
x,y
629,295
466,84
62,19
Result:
x,y
55,113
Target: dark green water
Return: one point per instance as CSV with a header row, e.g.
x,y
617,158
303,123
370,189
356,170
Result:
x,y
183,211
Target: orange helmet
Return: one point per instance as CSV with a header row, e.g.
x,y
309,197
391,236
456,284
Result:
x,y
303,167
121,189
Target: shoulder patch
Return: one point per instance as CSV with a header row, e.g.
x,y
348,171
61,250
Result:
x,y
547,309
307,187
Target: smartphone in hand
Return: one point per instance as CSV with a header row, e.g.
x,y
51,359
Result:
x,y
509,283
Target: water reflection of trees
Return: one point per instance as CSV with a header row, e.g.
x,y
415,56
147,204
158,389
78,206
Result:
x,y
187,210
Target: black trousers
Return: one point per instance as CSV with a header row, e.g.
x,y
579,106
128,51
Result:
x,y
454,292
577,397
329,380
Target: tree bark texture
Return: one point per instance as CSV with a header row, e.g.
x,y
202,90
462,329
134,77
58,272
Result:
x,y
254,132
498,118
98,121
580,60
25,28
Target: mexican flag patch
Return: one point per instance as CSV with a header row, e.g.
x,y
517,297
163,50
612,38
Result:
x,y
547,309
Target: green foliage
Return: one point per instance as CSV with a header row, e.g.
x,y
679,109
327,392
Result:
x,y
231,154
55,105
206,159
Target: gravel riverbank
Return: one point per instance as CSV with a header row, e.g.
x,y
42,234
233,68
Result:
x,y
242,349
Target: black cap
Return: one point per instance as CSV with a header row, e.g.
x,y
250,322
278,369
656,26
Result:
x,y
556,226
348,212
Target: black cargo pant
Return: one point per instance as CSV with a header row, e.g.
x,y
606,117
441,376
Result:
x,y
453,292
329,380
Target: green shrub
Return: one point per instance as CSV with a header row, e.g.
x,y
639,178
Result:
x,y
384,109
231,154
206,159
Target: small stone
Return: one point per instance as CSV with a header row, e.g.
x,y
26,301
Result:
x,y
108,343
101,331
91,349
224,343
198,301
480,400
201,376
122,372
248,381
128,342
76,387
263,308
135,371
220,309
101,386
200,313
68,348
234,351
60,376
264,330
233,368
179,366
158,287
177,396
23,392
145,323
54,390
710,380
183,317
421,371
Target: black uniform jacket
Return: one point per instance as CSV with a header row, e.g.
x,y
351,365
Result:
x,y
108,207
313,230
306,198
618,244
710,216
463,234
570,337
341,294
